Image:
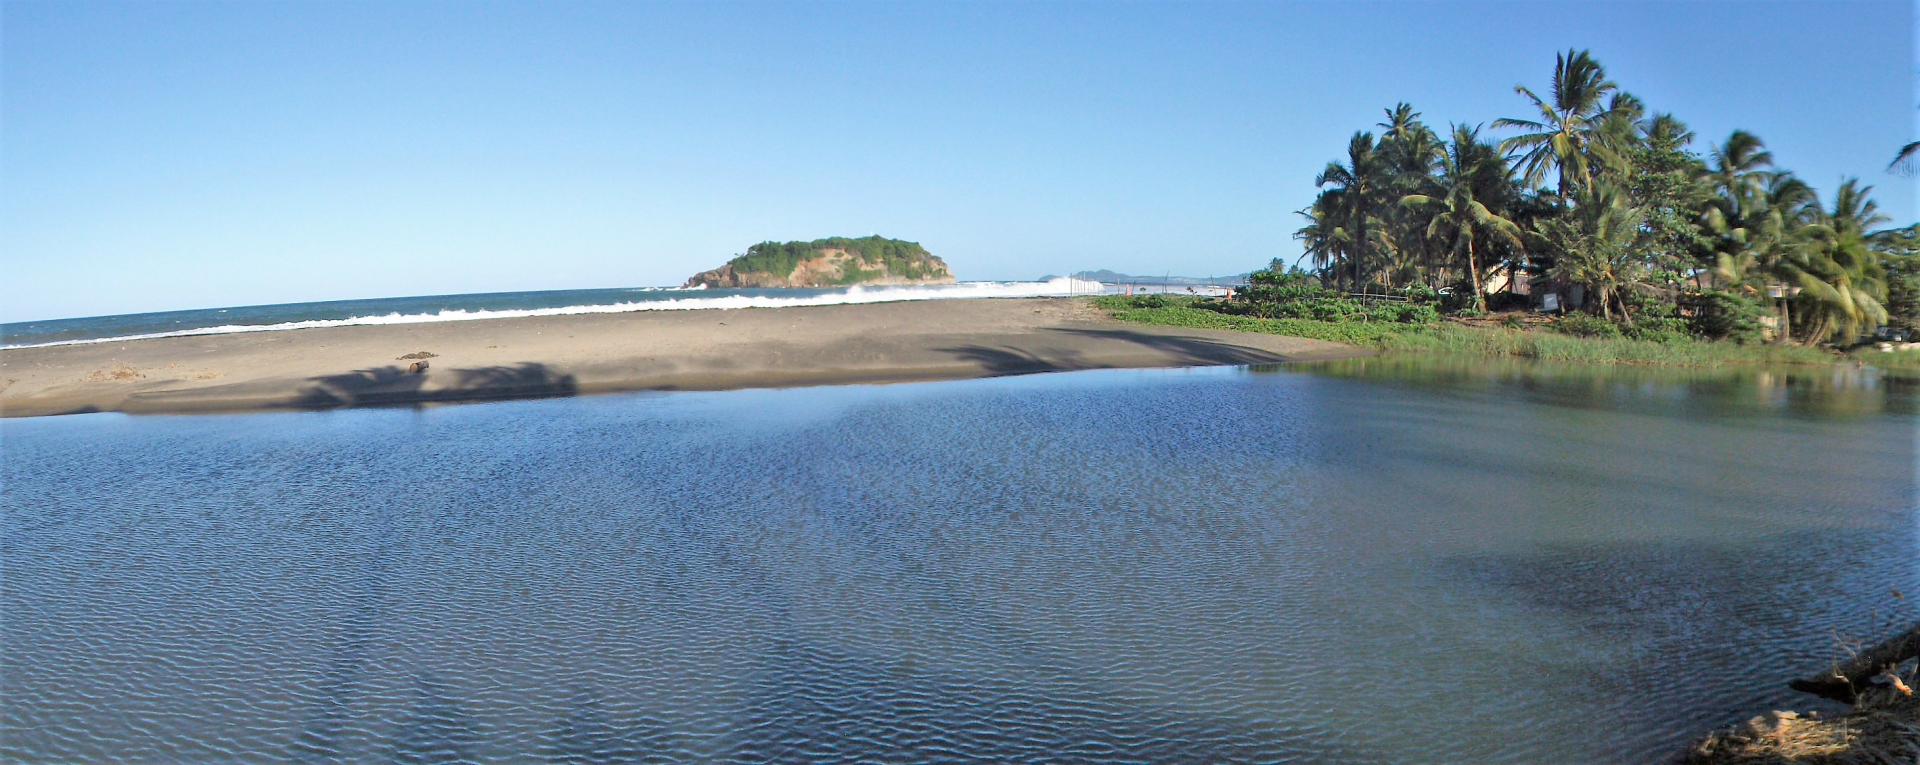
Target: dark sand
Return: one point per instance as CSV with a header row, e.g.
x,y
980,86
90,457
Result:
x,y
656,350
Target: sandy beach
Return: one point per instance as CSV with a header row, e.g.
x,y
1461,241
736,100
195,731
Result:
x,y
567,355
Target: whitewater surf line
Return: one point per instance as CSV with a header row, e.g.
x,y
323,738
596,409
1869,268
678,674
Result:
x,y
853,295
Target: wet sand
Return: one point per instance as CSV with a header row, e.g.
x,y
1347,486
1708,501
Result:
x,y
566,355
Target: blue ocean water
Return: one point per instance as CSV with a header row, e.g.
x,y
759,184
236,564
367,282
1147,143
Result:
x,y
98,327
435,308
1375,562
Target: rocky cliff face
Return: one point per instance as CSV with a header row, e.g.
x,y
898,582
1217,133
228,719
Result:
x,y
806,265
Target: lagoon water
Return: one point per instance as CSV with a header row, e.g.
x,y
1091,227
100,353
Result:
x,y
1368,561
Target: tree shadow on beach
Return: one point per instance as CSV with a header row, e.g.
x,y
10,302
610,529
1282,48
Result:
x,y
1190,350
1175,350
1016,361
394,385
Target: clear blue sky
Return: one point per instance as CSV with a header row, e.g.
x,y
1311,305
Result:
x,y
183,154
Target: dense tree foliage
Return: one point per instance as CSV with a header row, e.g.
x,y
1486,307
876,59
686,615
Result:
x,y
1591,191
899,258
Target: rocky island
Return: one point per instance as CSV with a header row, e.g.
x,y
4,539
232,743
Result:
x,y
831,262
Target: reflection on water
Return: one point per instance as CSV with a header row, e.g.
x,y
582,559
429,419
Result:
x,y
1837,390
1373,561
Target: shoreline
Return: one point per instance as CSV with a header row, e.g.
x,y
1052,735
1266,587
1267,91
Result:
x,y
1487,339
708,349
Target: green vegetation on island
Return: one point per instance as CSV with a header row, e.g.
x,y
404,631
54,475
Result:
x,y
831,262
1592,208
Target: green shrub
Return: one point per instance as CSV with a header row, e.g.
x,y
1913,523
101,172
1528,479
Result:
x,y
1649,303
1416,313
1484,341
1180,312
1585,325
1420,293
1658,329
1275,295
1720,315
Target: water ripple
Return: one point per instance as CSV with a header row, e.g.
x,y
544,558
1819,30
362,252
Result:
x,y
1162,567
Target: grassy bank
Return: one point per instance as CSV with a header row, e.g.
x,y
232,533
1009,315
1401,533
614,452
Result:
x,y
1907,362
1179,312
1454,337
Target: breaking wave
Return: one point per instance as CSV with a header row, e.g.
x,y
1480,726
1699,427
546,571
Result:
x,y
856,294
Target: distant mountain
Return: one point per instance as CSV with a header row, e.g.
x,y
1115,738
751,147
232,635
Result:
x,y
1105,276
832,262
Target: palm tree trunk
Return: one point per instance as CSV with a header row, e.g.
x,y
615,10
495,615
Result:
x,y
1359,249
1786,323
1473,267
1356,265
1819,332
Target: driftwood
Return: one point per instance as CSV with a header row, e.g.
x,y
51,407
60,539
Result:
x,y
1853,676
417,367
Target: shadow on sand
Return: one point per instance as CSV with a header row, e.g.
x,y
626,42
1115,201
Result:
x,y
394,385
1174,350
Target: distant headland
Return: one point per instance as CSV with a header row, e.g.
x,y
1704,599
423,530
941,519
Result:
x,y
832,262
1108,276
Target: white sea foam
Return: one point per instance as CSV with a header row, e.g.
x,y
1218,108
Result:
x,y
1054,287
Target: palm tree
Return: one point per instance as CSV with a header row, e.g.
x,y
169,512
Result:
x,y
1741,167
1321,238
1350,202
1907,152
1560,138
1410,154
1408,148
1617,138
1667,182
1903,160
1594,246
1459,217
1854,211
1751,216
1664,132
1401,120
1842,283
